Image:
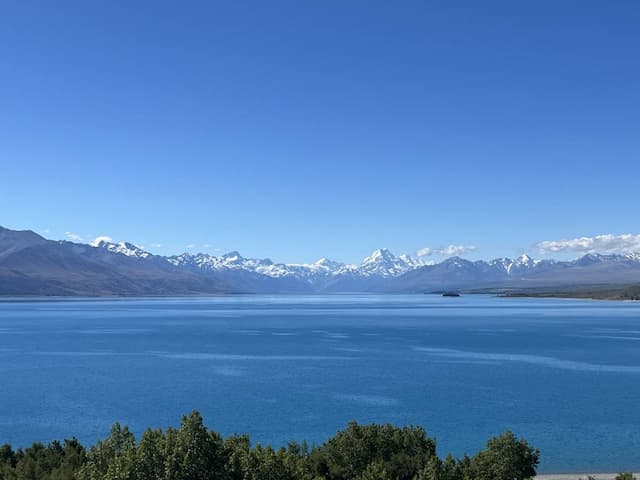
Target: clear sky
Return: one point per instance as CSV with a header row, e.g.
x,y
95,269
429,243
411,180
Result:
x,y
295,130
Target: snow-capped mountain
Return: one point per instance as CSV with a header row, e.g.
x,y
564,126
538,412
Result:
x,y
30,264
523,263
124,248
382,270
384,263
235,261
381,263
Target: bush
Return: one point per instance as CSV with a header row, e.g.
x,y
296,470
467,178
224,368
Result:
x,y
506,458
193,452
625,476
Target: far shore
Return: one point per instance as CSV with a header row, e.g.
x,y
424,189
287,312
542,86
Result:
x,y
579,476
594,292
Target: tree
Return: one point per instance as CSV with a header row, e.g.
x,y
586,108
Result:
x,y
237,451
625,476
192,452
432,470
197,454
7,455
151,456
403,452
111,459
506,458
374,471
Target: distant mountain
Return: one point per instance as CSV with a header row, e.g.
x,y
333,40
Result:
x,y
33,265
322,275
523,272
125,248
12,241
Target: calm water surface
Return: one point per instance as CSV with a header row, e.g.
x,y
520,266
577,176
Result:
x,y
563,374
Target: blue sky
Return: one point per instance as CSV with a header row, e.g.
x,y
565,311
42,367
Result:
x,y
302,129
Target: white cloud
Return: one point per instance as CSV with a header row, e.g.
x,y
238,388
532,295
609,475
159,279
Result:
x,y
156,245
447,251
451,250
601,243
74,237
103,238
191,245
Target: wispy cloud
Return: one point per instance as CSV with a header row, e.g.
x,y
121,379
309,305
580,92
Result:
x,y
156,245
601,243
191,245
447,251
103,238
74,237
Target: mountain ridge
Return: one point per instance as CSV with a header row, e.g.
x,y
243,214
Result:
x,y
33,265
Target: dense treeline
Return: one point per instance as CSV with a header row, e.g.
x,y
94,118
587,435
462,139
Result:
x,y
192,452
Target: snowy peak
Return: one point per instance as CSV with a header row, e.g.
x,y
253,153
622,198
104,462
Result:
x,y
522,263
524,260
123,248
380,256
384,263
409,260
502,263
329,264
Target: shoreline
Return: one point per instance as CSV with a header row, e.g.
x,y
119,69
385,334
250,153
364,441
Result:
x,y
579,476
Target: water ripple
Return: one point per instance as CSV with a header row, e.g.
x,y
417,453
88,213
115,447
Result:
x,y
550,362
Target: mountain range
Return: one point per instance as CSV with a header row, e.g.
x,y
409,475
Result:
x,y
33,265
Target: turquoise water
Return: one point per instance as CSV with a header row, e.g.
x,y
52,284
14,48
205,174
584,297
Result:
x,y
564,374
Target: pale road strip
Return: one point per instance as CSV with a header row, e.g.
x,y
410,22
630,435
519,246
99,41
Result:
x,y
580,476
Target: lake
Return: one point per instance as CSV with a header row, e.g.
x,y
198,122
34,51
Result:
x,y
564,374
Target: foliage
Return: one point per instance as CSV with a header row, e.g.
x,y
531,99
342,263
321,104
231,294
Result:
x,y
625,476
56,461
193,452
400,452
506,458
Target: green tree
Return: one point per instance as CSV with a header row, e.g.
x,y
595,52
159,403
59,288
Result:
x,y
505,458
374,471
197,454
432,470
265,463
111,459
150,456
625,476
403,452
192,452
237,451
73,456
